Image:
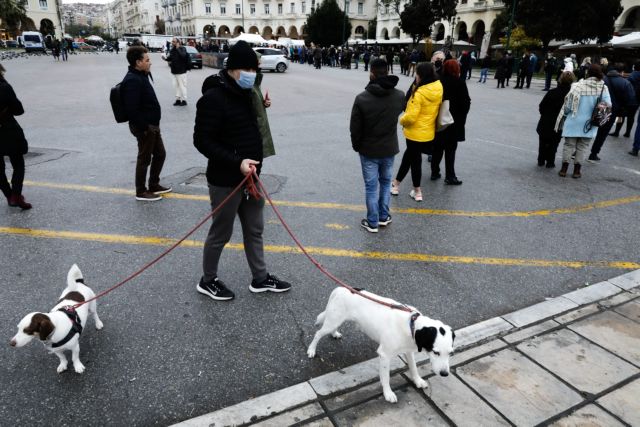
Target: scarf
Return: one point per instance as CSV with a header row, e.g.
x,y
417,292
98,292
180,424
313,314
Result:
x,y
585,87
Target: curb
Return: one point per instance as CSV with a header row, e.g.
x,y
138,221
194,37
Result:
x,y
471,342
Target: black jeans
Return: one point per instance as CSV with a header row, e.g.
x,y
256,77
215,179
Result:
x,y
446,146
601,136
151,152
17,163
521,79
412,158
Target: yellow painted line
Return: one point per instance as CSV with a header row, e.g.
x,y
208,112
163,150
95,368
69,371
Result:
x,y
360,208
337,226
322,251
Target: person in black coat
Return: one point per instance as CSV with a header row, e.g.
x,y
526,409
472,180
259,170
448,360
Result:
x,y
549,109
501,71
446,141
12,144
523,70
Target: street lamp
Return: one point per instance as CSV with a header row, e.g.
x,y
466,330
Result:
x,y
452,26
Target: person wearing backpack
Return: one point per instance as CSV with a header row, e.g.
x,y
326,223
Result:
x,y
143,112
180,63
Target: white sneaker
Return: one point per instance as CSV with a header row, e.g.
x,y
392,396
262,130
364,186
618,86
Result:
x,y
415,195
394,189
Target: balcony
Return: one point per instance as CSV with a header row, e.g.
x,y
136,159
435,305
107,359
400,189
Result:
x,y
169,18
480,5
177,18
173,2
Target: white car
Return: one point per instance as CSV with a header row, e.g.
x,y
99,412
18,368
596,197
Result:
x,y
270,59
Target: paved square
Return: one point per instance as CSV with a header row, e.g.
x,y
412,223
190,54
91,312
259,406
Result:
x,y
624,403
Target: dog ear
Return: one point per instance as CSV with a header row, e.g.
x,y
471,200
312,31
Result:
x,y
41,324
425,338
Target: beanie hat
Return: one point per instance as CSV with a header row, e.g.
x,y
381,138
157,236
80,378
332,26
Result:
x,y
241,56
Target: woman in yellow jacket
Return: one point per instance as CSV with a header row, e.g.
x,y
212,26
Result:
x,y
419,123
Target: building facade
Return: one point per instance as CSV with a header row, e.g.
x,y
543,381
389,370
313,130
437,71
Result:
x,y
44,16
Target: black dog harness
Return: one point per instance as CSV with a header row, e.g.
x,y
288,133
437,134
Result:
x,y
76,325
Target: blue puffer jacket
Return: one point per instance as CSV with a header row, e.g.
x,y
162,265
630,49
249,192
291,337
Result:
x,y
622,93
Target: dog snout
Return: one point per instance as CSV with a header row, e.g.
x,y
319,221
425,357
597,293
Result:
x,y
444,373
12,342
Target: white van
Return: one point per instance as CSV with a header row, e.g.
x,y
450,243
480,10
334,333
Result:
x,y
33,41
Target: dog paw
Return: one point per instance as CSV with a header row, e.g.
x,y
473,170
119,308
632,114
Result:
x,y
390,397
337,335
311,353
78,367
99,325
61,368
420,383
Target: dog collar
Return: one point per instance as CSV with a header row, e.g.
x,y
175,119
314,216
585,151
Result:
x,y
412,323
76,326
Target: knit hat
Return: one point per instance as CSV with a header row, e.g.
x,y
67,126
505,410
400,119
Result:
x,y
241,57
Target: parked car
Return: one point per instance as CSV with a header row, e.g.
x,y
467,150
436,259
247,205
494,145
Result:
x,y
82,46
11,43
194,56
270,59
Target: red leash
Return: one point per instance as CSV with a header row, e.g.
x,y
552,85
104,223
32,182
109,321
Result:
x,y
252,189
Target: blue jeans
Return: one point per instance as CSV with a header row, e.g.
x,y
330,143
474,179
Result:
x,y
377,197
483,75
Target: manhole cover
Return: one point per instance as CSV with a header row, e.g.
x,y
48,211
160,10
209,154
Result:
x,y
273,183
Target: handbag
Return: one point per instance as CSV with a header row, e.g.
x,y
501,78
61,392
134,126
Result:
x,y
445,119
600,115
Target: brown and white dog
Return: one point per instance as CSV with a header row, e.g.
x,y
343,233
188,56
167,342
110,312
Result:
x,y
395,331
60,329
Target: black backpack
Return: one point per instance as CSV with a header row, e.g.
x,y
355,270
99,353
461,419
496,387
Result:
x,y
117,105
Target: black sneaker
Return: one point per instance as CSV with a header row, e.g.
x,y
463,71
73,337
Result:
x,y
270,284
365,224
215,289
385,222
177,103
183,103
593,158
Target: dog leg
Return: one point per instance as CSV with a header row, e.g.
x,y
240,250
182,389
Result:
x,y
75,358
330,325
63,361
385,366
413,371
93,309
337,335
311,351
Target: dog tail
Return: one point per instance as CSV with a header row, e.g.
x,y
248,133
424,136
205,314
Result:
x,y
74,276
320,319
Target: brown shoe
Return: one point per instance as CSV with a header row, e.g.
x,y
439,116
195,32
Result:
x,y
159,189
148,196
17,200
576,171
564,169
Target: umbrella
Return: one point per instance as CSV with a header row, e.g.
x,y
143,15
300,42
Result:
x,y
630,40
249,38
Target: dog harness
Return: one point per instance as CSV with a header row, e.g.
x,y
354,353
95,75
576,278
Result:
x,y
76,325
412,322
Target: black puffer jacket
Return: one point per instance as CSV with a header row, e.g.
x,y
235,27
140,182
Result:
x,y
140,100
12,140
226,130
374,118
178,60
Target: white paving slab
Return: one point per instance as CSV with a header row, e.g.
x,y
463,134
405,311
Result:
x,y
296,416
634,276
592,293
254,409
624,402
576,314
362,393
473,352
630,310
529,332
539,311
521,390
460,404
589,416
570,356
474,333
614,332
623,282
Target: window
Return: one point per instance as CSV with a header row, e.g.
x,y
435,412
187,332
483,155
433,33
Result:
x,y
43,4
223,9
279,8
293,8
238,9
348,5
267,10
207,8
252,9
304,7
360,8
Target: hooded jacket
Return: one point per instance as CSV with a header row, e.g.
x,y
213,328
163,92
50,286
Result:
x,y
419,119
374,118
226,130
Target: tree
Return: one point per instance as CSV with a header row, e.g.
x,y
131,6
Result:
x,y
575,20
520,40
325,25
13,16
372,28
418,16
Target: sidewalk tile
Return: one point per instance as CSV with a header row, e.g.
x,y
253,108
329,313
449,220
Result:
x,y
618,299
254,409
589,416
634,276
539,311
614,332
410,411
297,416
529,332
592,293
351,376
624,403
362,393
623,282
491,346
479,331
630,310
460,404
569,356
521,390
576,314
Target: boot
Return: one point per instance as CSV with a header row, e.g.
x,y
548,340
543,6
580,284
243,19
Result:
x,y
576,171
616,133
563,170
634,152
17,200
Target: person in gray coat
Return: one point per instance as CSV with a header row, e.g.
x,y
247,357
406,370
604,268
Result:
x,y
374,123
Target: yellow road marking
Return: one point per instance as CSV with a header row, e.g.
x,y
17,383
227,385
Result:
x,y
359,208
322,251
337,226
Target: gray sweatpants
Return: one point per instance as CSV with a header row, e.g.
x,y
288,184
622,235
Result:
x,y
251,217
575,145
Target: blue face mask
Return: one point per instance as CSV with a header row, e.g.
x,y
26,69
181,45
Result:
x,y
246,80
